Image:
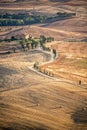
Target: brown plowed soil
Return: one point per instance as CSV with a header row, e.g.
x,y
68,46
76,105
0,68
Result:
x,y
30,101
71,62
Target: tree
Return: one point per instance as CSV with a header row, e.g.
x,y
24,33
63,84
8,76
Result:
x,y
35,42
36,65
28,45
54,54
54,51
49,39
27,42
22,42
13,38
42,39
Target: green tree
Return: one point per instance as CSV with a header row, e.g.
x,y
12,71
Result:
x,y
22,42
54,53
42,40
28,45
49,39
35,42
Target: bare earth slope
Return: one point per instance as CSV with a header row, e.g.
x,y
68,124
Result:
x,y
71,61
30,101
70,28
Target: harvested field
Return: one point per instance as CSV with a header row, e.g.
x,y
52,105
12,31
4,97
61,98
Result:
x,y
71,62
31,101
51,99
72,28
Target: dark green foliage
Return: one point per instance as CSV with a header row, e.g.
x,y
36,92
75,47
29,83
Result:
x,y
13,38
36,65
28,45
49,39
42,39
20,19
22,42
65,14
54,51
35,43
10,22
9,19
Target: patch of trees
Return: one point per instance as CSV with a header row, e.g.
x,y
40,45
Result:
x,y
10,22
65,14
29,43
32,43
20,19
43,40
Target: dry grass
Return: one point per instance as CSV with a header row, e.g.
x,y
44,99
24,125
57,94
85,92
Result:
x,y
31,101
71,62
72,28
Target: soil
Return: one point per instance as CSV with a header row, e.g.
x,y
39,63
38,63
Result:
x,y
31,101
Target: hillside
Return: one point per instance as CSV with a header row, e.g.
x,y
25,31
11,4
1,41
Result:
x,y
71,61
72,28
38,92
31,101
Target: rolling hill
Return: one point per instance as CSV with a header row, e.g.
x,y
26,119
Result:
x,y
35,100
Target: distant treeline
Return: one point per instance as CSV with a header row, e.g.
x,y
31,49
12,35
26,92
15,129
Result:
x,y
20,19
26,19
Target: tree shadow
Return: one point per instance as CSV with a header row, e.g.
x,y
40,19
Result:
x,y
60,0
4,73
25,128
80,116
